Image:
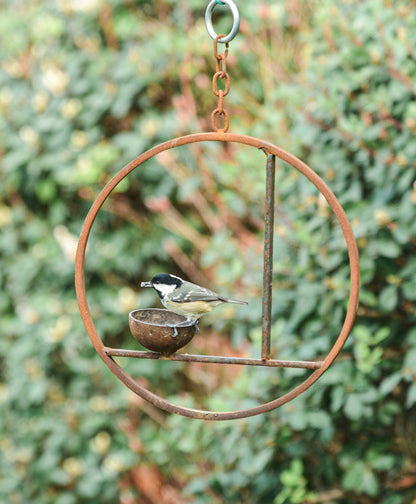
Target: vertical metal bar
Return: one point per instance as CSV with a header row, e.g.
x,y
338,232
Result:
x,y
268,256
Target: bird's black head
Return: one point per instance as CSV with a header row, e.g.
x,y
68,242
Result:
x,y
166,279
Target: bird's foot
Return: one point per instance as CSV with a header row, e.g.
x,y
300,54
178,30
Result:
x,y
175,329
181,324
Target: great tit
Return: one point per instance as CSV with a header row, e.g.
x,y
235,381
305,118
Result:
x,y
186,298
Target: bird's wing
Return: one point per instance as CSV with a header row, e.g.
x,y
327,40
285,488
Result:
x,y
195,293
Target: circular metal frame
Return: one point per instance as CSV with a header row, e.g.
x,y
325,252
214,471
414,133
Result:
x,y
236,20
323,189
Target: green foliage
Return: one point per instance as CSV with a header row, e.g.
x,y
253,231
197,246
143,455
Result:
x,y
85,87
294,484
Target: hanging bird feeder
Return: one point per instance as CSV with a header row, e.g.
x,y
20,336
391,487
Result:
x,y
152,328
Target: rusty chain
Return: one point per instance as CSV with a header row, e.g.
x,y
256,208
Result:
x,y
220,73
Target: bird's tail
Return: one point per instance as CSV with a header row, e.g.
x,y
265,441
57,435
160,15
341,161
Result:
x,y
226,300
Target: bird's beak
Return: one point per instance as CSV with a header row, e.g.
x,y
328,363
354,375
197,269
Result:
x,y
146,284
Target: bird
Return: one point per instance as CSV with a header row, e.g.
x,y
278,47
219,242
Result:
x,y
185,298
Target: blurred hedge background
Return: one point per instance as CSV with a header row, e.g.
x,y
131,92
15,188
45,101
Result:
x,y
86,86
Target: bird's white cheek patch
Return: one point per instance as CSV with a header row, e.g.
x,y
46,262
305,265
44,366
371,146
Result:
x,y
165,289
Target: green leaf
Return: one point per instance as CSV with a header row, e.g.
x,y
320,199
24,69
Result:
x,y
411,396
409,289
410,360
390,382
384,248
353,478
388,298
360,479
355,407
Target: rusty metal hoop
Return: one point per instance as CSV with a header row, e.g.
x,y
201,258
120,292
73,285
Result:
x,y
269,149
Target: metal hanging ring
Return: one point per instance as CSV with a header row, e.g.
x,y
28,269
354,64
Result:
x,y
236,20
318,367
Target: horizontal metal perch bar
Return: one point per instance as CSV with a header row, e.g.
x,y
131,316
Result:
x,y
138,354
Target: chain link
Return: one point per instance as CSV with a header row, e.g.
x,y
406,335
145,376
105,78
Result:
x,y
220,114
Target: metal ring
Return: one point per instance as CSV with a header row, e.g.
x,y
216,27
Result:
x,y
236,20
340,215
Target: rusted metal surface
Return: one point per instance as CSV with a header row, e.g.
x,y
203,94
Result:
x,y
268,256
220,73
214,359
104,352
153,329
